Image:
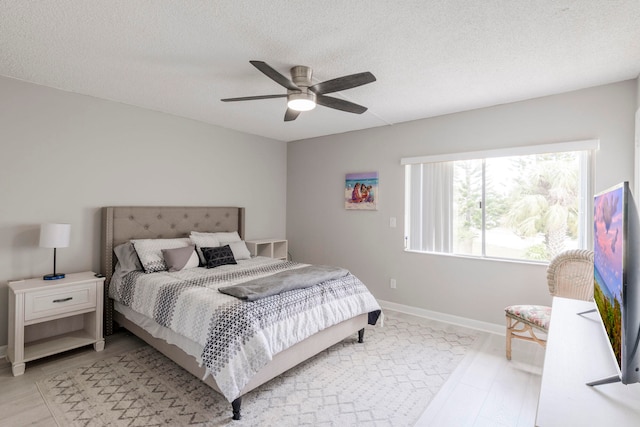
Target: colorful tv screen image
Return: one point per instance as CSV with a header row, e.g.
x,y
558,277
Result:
x,y
609,230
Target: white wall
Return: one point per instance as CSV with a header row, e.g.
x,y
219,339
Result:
x,y
63,156
320,230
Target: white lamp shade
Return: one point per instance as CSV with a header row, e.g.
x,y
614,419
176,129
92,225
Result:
x,y
55,235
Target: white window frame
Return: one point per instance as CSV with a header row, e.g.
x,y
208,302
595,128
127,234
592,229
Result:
x,y
587,181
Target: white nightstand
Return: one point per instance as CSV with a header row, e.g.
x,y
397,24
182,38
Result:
x,y
50,316
273,248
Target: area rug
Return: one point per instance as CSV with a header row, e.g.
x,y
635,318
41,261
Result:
x,y
387,381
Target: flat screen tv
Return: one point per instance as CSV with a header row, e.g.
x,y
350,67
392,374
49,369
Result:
x,y
616,285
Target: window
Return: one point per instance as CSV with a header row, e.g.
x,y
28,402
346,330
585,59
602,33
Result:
x,y
526,203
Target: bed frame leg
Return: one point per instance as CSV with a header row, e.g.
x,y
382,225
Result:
x,y
235,405
361,336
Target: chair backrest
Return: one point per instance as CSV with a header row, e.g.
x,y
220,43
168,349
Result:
x,y
570,274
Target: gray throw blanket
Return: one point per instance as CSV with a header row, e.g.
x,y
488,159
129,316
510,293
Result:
x,y
299,278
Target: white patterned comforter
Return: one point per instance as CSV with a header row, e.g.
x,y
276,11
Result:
x,y
240,337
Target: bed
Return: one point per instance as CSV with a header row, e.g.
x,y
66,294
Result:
x,y
126,223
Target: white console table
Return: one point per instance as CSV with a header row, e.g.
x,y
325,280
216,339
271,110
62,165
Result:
x,y
577,352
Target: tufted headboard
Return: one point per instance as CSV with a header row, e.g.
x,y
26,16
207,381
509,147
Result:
x,y
123,223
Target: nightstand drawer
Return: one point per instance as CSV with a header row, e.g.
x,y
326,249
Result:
x,y
53,301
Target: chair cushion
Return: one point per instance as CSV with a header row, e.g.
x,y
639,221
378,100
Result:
x,y
538,315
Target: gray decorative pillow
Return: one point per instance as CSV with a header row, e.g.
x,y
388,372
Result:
x,y
216,257
150,252
180,258
127,258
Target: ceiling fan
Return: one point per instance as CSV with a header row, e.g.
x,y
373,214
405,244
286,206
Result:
x,y
302,95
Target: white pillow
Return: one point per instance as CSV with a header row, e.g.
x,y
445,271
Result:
x,y
150,251
224,237
203,240
239,250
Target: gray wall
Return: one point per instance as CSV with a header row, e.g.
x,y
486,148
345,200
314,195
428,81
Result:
x,y
63,156
637,144
320,230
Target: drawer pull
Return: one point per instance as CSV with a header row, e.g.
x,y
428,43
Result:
x,y
63,299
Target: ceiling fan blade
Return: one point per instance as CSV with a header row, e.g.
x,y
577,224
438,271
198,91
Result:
x,y
290,115
251,98
343,83
340,104
274,75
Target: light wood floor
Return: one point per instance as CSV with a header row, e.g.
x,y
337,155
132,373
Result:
x,y
485,390
488,390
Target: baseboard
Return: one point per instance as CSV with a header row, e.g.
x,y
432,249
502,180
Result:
x,y
443,317
3,351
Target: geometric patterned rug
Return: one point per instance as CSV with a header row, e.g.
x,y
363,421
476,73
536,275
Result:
x,y
387,381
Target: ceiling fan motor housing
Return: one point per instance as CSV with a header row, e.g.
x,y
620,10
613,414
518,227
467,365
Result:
x,y
301,75
303,99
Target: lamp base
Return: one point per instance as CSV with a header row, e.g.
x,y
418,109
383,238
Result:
x,y
55,276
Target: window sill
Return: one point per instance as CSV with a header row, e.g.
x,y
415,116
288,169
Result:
x,y
480,258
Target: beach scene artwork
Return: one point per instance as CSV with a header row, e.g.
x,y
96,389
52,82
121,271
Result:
x,y
361,191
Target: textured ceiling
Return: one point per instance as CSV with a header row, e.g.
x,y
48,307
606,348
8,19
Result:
x,y
430,57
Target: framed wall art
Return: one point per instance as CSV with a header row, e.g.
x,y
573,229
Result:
x,y
361,191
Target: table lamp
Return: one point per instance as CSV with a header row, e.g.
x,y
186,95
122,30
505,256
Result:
x,y
54,236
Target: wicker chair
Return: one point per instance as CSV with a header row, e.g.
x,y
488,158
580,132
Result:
x,y
569,275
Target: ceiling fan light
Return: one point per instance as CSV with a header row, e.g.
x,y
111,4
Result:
x,y
301,101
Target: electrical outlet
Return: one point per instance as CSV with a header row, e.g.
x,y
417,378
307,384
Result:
x,y
392,283
392,222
